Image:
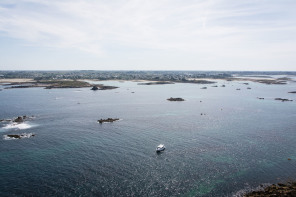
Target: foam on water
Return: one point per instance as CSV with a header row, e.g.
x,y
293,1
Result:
x,y
17,126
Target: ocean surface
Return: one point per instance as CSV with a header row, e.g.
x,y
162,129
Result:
x,y
219,142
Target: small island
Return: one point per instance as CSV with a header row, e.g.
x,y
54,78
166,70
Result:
x,y
103,87
156,83
175,99
49,84
283,100
108,120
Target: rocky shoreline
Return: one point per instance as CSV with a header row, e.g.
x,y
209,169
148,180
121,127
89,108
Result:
x,y
280,189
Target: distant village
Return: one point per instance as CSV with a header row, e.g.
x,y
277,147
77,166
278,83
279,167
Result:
x,y
181,76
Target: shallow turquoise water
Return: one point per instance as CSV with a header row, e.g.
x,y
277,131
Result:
x,y
239,143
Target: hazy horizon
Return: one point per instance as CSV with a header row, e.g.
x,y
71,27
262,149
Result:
x,y
224,35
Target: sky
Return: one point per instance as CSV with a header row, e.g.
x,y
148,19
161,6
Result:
x,y
257,35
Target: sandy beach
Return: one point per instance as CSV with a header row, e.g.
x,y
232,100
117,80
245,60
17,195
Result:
x,y
16,80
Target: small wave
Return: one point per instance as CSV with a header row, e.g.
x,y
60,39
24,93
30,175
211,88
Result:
x,y
19,126
249,189
18,136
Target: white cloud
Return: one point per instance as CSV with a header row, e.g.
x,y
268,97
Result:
x,y
223,28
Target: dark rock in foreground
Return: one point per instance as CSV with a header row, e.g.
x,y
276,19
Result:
x,y
280,189
175,99
281,99
293,92
108,120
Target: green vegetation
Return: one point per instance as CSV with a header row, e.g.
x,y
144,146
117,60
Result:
x,y
63,83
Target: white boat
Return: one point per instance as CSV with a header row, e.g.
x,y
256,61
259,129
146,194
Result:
x,y
160,147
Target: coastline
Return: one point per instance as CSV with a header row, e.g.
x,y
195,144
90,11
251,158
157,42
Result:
x,y
279,189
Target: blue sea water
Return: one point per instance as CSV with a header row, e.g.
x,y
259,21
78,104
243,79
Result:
x,y
238,143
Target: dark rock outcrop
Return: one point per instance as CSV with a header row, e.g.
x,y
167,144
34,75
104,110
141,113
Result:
x,y
94,88
175,99
293,92
19,136
281,99
19,119
103,87
108,120
280,189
